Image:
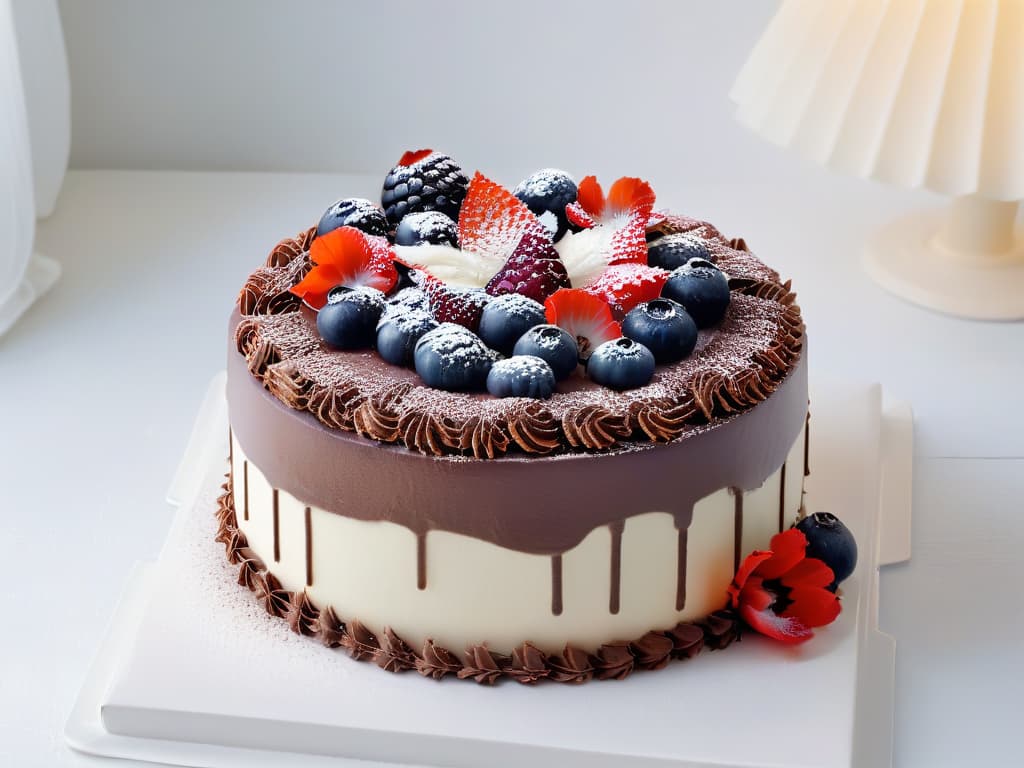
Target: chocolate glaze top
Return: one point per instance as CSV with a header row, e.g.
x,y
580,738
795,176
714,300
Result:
x,y
736,365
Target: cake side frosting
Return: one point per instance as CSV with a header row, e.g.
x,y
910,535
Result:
x,y
526,663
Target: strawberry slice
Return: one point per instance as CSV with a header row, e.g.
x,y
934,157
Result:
x,y
583,315
493,221
624,286
346,256
448,304
614,229
511,243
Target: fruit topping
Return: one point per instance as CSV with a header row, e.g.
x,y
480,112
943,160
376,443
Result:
x,y
408,299
355,212
534,270
521,376
782,593
553,345
448,304
351,321
548,191
586,317
829,540
334,295
663,327
506,244
623,286
346,257
673,251
615,228
430,227
621,364
506,318
702,289
452,358
423,180
398,333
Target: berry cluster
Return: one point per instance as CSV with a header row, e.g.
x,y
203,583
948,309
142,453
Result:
x,y
480,288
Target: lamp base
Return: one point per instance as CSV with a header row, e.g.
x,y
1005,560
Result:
x,y
40,275
908,258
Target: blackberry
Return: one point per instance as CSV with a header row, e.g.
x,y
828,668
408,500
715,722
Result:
x,y
355,212
423,181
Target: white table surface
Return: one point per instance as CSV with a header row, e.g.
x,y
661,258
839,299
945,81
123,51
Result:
x,y
100,382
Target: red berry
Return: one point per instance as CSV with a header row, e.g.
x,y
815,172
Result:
x,y
624,286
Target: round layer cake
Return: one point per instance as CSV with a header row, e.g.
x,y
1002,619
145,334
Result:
x,y
588,530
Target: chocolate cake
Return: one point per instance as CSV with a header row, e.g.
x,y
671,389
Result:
x,y
401,488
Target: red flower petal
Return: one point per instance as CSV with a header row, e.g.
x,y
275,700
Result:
x,y
346,256
314,287
785,629
414,155
809,572
747,567
584,316
787,549
812,606
629,193
590,196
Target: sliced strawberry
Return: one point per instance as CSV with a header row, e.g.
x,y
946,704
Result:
x,y
577,215
346,256
614,230
623,286
533,270
463,306
585,316
511,242
493,221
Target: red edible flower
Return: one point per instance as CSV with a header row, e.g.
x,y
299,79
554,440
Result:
x,y
346,256
782,593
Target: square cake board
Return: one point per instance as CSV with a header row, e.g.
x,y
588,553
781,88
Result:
x,y
192,672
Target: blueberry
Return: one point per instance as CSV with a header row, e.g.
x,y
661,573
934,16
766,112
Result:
x,y
548,191
452,357
621,364
663,327
351,321
831,542
427,227
521,376
508,317
552,344
673,251
398,333
336,293
407,299
702,290
355,212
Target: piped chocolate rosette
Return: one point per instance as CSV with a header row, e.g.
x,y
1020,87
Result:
x,y
463,321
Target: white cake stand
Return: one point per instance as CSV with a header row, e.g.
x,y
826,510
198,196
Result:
x,y
193,673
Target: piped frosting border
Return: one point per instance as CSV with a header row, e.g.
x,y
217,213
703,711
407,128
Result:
x,y
283,352
527,664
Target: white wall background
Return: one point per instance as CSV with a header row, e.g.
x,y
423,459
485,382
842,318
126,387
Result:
x,y
607,86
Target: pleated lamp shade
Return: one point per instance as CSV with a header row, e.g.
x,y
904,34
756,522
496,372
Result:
x,y
917,93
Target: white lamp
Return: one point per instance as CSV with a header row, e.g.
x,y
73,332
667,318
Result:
x,y
34,142
919,93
